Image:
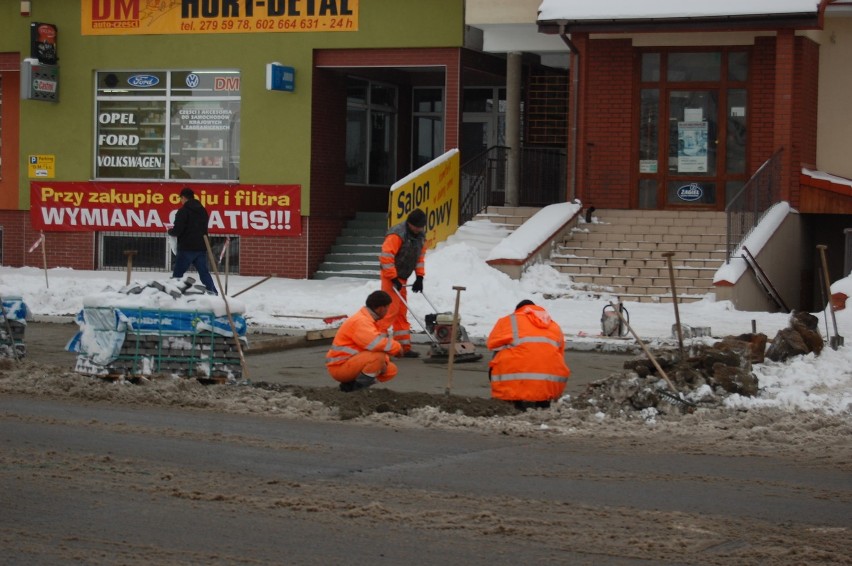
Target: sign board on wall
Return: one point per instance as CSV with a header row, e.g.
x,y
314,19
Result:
x,y
39,82
141,17
434,189
245,210
41,166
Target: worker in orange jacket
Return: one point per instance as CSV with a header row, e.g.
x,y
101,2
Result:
x,y
529,366
403,253
360,353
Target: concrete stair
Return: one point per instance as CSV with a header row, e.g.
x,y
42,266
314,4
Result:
x,y
355,253
509,217
621,253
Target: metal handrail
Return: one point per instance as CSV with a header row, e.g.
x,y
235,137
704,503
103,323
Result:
x,y
744,210
483,179
482,176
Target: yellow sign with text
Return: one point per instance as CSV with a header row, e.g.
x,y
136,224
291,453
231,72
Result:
x,y
164,17
41,166
434,189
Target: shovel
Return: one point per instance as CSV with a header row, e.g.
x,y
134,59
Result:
x,y
835,341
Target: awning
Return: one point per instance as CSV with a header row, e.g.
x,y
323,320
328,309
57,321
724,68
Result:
x,y
626,15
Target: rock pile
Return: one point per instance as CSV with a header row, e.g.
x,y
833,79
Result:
x,y
703,376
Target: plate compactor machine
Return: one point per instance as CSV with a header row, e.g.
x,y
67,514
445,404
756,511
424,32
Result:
x,y
439,329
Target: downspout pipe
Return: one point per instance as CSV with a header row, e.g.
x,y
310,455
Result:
x,y
575,89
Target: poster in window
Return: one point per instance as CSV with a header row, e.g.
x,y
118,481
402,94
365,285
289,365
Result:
x,y
692,147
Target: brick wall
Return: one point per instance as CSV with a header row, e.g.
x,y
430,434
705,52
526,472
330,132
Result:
x,y
608,114
805,87
64,249
762,100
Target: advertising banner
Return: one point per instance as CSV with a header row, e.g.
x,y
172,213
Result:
x,y
244,210
179,17
434,189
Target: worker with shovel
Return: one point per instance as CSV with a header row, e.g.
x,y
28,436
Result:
x,y
403,253
360,353
528,368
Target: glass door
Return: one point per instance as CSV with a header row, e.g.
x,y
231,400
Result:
x,y
692,148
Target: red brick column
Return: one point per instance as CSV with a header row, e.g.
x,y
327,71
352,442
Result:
x,y
783,119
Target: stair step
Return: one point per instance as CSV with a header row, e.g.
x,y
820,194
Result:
x,y
351,274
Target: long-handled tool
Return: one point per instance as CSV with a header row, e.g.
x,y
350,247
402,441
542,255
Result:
x,y
464,350
668,256
676,395
420,324
239,347
837,340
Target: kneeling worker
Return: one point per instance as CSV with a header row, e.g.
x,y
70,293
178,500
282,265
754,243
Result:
x,y
360,353
528,367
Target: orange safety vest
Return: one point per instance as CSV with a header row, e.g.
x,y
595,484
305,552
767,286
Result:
x,y
529,364
357,334
402,253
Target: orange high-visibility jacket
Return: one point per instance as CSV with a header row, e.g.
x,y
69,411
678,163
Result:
x,y
529,364
402,253
357,334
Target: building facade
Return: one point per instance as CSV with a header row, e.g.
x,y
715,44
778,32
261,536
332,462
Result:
x,y
287,119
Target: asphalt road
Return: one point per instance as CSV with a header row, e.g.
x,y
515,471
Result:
x,y
95,483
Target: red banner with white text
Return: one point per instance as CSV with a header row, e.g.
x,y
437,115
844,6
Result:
x,y
245,210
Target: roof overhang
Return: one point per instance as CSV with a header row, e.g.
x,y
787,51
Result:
x,y
627,16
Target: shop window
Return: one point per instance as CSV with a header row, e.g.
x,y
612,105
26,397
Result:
x,y
428,134
695,66
153,253
737,132
371,136
649,130
738,66
650,67
167,125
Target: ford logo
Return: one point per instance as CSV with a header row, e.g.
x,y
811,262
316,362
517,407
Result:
x,y
143,81
690,193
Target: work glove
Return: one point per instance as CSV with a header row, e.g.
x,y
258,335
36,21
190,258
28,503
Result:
x,y
397,284
418,284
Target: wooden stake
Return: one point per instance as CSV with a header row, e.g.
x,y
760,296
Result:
x,y
668,256
227,309
129,254
455,326
44,259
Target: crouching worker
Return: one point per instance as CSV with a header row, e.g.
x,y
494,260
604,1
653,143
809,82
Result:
x,y
360,353
528,367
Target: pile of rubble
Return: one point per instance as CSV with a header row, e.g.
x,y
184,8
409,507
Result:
x,y
702,376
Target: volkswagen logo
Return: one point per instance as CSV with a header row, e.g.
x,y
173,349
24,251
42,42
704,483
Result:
x,y
192,80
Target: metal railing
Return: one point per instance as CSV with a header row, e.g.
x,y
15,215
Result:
x,y
748,205
483,179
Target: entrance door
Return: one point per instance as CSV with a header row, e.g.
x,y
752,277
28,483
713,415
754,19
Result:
x,y
693,140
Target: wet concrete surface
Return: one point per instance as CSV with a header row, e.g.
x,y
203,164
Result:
x,y
294,360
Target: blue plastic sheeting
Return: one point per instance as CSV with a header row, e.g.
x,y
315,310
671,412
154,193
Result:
x,y
103,330
182,322
16,309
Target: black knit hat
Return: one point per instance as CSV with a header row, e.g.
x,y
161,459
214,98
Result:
x,y
417,218
186,192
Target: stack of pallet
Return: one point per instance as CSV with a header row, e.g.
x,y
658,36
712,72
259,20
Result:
x,y
149,330
15,314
